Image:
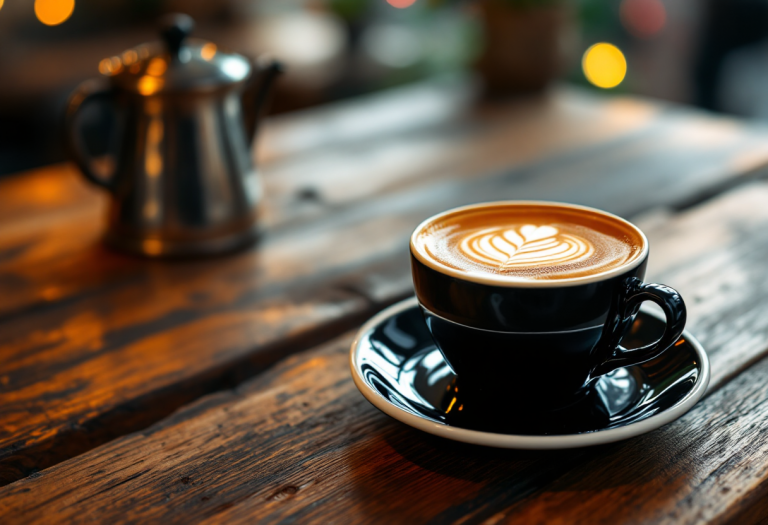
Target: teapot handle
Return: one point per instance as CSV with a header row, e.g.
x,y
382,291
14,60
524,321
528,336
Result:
x,y
88,92
256,93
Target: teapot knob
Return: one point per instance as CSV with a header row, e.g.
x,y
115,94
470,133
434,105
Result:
x,y
174,29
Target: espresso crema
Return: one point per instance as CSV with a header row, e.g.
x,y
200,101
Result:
x,y
529,241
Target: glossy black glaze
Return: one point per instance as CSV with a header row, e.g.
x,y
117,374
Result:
x,y
514,362
399,360
609,353
495,336
514,309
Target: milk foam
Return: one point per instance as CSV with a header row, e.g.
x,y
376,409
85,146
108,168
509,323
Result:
x,y
510,248
529,249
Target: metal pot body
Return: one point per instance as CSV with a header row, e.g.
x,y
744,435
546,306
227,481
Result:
x,y
184,181
180,175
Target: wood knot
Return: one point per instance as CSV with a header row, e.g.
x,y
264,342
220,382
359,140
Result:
x,y
289,491
185,480
284,493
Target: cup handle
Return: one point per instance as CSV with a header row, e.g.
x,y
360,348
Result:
x,y
635,293
88,92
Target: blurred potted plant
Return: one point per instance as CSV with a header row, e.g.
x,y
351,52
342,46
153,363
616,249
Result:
x,y
527,43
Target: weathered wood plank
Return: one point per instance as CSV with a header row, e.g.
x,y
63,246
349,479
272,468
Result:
x,y
33,195
50,218
49,249
715,255
317,158
77,325
356,159
52,189
54,258
300,444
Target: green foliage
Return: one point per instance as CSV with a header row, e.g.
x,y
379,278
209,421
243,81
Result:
x,y
598,16
348,9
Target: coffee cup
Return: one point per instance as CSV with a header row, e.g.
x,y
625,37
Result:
x,y
532,299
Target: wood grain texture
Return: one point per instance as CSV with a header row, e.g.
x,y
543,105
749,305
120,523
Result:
x,y
299,444
315,163
96,344
715,255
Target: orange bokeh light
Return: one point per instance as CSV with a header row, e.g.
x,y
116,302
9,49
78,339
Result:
x,y
401,4
129,57
149,85
54,12
110,66
643,18
157,67
208,51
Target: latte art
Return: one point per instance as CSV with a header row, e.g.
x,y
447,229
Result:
x,y
525,247
528,241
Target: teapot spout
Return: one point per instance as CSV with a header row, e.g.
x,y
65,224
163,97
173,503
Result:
x,y
257,91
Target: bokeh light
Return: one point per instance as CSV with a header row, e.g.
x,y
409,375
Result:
x,y
643,18
54,12
604,65
401,4
110,66
208,51
129,57
157,67
1,3
303,38
149,85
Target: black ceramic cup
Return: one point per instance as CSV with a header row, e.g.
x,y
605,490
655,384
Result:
x,y
543,342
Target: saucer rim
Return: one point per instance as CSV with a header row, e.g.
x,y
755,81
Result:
x,y
517,441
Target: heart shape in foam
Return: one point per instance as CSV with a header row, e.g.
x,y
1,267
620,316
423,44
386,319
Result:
x,y
526,246
534,233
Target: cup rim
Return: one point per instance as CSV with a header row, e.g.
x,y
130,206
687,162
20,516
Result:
x,y
512,282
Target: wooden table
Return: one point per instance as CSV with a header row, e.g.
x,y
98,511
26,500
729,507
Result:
x,y
218,390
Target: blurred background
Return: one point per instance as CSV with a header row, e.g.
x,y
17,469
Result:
x,y
709,53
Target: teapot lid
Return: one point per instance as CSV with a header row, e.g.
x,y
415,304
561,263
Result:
x,y
176,64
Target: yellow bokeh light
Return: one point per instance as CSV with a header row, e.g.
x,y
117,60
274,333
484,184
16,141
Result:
x,y
604,65
54,12
1,3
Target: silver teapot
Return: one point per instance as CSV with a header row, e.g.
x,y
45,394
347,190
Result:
x,y
182,179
